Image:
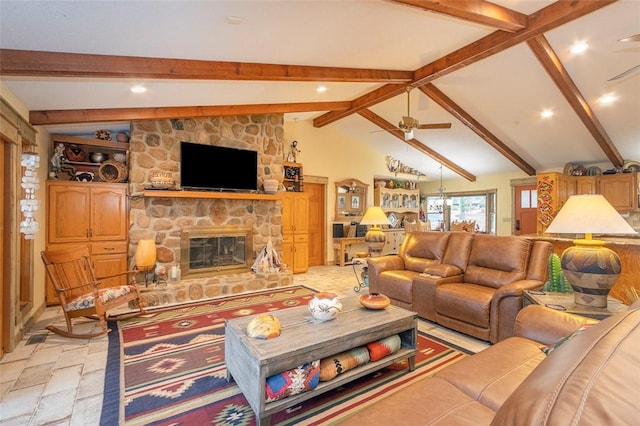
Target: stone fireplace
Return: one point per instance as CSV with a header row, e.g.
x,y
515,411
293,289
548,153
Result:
x,y
216,250
155,146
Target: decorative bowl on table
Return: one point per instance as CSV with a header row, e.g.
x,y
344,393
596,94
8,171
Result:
x,y
374,301
325,306
362,254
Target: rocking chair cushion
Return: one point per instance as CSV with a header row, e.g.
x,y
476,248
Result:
x,y
106,295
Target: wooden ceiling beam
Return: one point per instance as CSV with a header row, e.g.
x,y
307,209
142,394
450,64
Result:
x,y
478,11
129,114
454,109
552,65
545,19
381,94
56,64
384,124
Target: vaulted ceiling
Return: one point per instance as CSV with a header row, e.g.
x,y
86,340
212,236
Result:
x,y
490,69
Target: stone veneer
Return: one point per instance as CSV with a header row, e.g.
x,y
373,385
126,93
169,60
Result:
x,y
155,146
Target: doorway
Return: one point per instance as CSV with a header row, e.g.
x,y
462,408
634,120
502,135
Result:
x,y
526,207
317,188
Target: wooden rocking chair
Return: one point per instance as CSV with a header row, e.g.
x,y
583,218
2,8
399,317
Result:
x,y
82,294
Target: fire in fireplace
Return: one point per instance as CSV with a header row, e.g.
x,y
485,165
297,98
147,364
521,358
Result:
x,y
217,250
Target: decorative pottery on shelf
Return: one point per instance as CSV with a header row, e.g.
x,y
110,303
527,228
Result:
x,y
270,186
325,306
122,137
374,301
103,134
97,157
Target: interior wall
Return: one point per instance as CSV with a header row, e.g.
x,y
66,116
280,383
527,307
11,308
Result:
x,y
42,140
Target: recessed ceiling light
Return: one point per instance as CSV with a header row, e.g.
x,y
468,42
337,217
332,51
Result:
x,y
579,47
607,99
138,89
547,113
321,89
234,20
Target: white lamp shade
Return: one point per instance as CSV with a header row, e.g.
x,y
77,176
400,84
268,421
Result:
x,y
146,254
375,216
589,214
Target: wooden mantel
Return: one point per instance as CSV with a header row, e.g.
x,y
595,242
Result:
x,y
210,194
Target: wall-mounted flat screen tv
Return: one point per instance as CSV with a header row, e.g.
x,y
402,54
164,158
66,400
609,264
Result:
x,y
217,168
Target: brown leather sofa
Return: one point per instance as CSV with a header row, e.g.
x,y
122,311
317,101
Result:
x,y
590,379
471,283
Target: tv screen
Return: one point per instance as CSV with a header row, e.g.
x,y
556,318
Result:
x,y
217,168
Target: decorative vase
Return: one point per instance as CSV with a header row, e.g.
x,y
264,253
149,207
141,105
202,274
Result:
x,y
325,306
270,186
592,270
374,301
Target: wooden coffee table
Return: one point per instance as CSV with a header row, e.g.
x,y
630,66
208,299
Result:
x,y
250,361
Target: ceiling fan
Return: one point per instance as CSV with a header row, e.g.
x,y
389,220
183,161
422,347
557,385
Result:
x,y
635,37
408,124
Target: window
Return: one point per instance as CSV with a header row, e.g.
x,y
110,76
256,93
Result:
x,y
475,206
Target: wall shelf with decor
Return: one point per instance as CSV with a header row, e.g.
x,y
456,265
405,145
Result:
x,y
293,176
398,200
75,158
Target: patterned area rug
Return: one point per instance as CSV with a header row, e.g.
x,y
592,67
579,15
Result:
x,y
167,368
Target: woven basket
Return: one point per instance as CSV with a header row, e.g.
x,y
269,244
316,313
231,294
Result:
x,y
113,171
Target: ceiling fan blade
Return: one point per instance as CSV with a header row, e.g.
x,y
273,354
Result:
x,y
631,38
435,126
624,74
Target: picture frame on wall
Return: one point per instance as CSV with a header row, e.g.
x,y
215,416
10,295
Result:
x,y
355,202
342,201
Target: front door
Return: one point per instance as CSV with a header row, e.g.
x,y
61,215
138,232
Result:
x,y
526,203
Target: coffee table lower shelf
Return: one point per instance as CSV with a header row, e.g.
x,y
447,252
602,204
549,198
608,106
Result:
x,y
251,361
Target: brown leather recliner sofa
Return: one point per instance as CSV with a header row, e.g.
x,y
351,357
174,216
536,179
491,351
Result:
x,y
471,283
591,379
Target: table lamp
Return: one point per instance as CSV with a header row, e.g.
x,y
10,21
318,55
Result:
x,y
375,238
590,268
146,258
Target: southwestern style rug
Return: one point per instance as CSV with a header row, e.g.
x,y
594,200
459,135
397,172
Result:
x,y
167,368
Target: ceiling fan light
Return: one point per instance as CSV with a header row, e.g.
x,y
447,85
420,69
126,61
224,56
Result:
x,y
408,135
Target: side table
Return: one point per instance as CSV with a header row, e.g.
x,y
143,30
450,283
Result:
x,y
565,302
340,247
364,273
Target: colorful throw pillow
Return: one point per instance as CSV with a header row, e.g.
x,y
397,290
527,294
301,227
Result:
x,y
292,382
334,365
384,347
547,349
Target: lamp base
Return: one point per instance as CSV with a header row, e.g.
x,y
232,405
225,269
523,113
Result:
x,y
375,239
592,270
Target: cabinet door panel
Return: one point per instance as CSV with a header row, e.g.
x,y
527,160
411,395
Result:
x,y
110,264
69,214
108,213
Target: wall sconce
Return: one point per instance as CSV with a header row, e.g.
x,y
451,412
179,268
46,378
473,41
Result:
x,y
29,205
146,259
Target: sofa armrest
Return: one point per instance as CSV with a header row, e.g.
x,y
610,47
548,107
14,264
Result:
x,y
443,270
505,305
378,265
547,325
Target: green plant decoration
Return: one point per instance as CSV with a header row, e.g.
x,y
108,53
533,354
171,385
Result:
x,y
557,281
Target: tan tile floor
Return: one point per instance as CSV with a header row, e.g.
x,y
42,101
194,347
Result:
x,y
59,381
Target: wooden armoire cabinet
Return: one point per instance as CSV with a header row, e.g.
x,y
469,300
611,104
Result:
x,y
95,214
295,231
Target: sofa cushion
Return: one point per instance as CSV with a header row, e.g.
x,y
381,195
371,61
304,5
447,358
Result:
x,y
469,303
458,249
491,375
421,249
590,380
398,284
429,401
495,261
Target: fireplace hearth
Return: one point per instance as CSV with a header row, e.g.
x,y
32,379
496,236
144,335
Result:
x,y
216,250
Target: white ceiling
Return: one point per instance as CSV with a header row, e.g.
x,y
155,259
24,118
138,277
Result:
x,y
505,92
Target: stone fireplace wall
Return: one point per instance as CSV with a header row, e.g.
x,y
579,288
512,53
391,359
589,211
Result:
x,y
155,146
